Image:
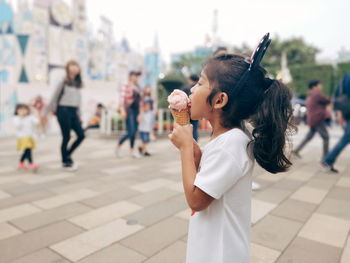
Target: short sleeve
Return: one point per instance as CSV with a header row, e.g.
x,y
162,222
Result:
x,y
219,171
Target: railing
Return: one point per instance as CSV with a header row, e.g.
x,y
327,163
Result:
x,y
113,124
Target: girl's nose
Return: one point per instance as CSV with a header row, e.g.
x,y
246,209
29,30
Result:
x,y
193,88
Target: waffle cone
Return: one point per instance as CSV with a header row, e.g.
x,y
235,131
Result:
x,y
181,117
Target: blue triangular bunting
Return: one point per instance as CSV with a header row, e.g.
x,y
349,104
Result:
x,y
23,41
23,78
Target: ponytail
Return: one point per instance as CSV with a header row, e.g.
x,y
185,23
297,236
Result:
x,y
272,124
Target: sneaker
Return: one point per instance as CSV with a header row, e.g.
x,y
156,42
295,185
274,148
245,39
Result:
x,y
255,186
70,167
328,168
118,152
147,154
135,155
22,166
34,167
296,154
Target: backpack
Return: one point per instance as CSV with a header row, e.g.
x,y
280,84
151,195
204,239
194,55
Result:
x,y
342,101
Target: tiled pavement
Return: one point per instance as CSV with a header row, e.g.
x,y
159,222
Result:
x,y
126,210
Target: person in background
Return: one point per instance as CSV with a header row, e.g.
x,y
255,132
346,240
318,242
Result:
x,y
220,51
39,105
146,122
66,104
130,99
25,125
94,121
344,120
192,81
316,104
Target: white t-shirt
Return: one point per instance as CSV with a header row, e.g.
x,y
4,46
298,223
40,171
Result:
x,y
221,232
25,126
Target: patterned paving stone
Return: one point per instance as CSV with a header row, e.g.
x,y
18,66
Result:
x,y
64,199
26,198
94,240
7,231
303,250
309,194
345,258
326,229
335,208
113,254
18,246
260,209
261,254
275,232
288,184
295,210
340,193
104,215
175,253
156,237
17,211
42,256
152,214
110,197
4,195
49,216
272,195
153,197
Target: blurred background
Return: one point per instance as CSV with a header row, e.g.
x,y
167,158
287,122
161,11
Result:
x,y
166,40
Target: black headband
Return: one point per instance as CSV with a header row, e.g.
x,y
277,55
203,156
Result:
x,y
254,61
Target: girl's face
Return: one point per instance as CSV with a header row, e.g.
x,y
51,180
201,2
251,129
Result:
x,y
73,70
22,112
199,93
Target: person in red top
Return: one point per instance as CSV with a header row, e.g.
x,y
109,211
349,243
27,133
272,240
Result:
x,y
316,104
129,109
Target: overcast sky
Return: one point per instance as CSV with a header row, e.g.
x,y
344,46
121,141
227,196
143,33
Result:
x,y
183,24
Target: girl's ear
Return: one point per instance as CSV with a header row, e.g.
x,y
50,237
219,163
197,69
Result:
x,y
220,100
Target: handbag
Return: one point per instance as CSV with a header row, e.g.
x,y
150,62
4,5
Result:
x,y
342,102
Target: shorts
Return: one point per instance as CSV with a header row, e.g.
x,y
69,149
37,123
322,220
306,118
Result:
x,y
145,137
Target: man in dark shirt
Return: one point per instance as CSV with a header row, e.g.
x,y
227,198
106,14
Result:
x,y
329,160
316,104
192,80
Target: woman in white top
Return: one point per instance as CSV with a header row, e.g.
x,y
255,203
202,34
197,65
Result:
x,y
217,181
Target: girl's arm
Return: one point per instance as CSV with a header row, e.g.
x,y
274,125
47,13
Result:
x,y
182,139
197,154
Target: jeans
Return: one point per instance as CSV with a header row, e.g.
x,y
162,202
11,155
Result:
x,y
131,128
195,129
68,120
342,143
322,130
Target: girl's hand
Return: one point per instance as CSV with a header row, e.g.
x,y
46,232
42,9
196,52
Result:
x,y
181,136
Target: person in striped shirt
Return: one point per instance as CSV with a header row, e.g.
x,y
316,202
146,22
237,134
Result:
x,y
130,97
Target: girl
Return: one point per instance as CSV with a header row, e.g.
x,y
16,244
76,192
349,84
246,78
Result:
x,y
66,103
25,125
217,182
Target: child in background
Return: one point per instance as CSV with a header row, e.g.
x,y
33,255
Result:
x,y
25,125
146,121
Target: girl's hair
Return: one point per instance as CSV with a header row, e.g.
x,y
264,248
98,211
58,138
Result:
x,y
265,102
78,81
22,106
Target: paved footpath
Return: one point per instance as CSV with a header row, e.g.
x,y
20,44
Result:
x,y
125,210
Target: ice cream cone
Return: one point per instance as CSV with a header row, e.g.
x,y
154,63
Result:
x,y
181,117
